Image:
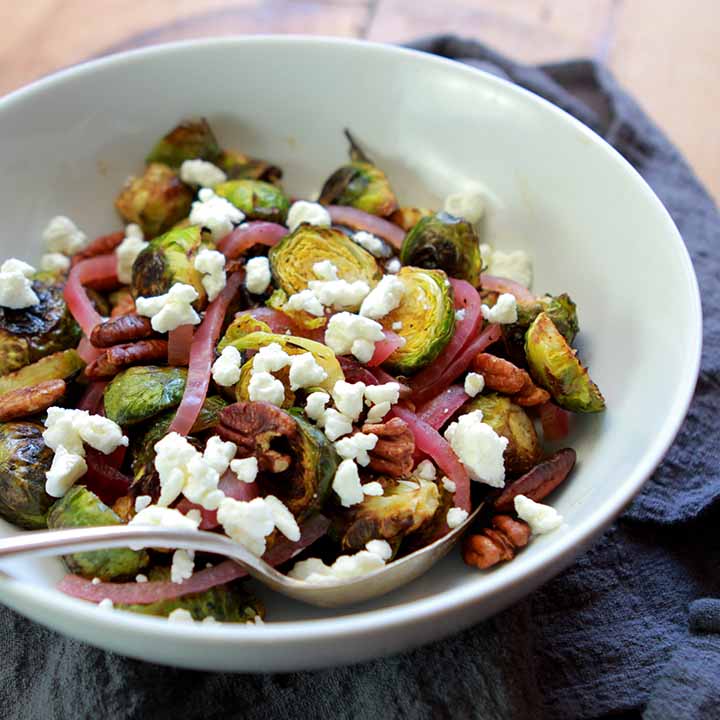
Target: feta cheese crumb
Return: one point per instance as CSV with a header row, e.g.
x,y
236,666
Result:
x,y
156,516
16,290
374,245
503,312
455,517
209,620
54,262
257,275
304,301
348,398
62,235
397,325
106,604
325,270
383,298
226,369
393,266
201,172
348,333
385,393
180,615
182,565
170,310
467,204
449,485
514,265
336,424
215,213
282,517
211,264
270,358
96,581
356,447
425,470
373,488
339,294
315,406
128,250
141,502
218,453
381,548
316,572
474,383
479,448
66,469
264,387
70,428
377,412
460,314
541,518
409,485
246,469
305,371
347,486
311,213
140,578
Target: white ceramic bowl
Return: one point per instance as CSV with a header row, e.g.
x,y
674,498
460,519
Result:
x,y
593,227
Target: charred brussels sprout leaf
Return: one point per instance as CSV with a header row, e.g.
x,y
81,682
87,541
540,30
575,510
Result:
x,y
554,366
238,166
82,508
155,201
167,260
445,242
31,333
510,421
24,459
190,140
427,314
258,200
293,258
142,392
61,365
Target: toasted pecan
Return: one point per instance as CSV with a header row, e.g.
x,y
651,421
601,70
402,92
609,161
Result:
x,y
495,544
114,359
500,374
531,395
102,245
30,400
393,452
121,329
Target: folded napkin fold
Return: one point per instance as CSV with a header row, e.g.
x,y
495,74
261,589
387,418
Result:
x,y
630,628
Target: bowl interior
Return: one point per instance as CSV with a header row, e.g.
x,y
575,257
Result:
x,y
592,226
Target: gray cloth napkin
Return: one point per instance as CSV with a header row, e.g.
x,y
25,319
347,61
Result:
x,y
631,628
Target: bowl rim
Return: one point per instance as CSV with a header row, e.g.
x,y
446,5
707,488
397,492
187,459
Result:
x,y
563,549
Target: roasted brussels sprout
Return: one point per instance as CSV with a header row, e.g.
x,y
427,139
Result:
x,y
510,421
139,393
427,314
155,201
401,510
190,140
242,324
554,366
238,166
80,507
61,365
258,200
561,310
167,260
31,333
445,242
292,259
408,217
360,184
24,459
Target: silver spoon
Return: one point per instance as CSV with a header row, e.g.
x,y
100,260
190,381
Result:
x,y
345,592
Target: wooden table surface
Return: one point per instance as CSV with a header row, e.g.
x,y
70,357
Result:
x,y
665,52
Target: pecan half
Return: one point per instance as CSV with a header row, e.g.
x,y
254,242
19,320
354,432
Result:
x,y
99,246
120,330
500,374
262,430
114,359
539,482
30,400
393,453
531,395
496,544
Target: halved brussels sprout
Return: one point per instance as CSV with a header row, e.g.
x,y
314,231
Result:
x,y
238,166
242,324
190,140
139,393
427,314
24,460
554,366
360,184
446,242
292,259
61,365
155,201
510,421
31,333
408,217
401,510
80,507
167,260
258,200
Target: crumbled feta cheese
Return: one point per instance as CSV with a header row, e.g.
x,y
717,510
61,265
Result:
x,y
195,515
96,581
374,245
307,212
348,398
479,448
211,264
377,412
346,567
226,369
356,447
325,270
63,236
257,275
541,518
209,620
383,298
246,469
373,488
173,455
106,604
304,301
263,387
156,516
282,517
347,486
409,485
54,262
315,406
170,310
141,502
393,266
468,205
514,265
70,428
128,250
397,325
348,333
201,172
504,311
180,615
425,470
387,392
455,517
183,564
218,453
449,485
474,383
339,294
381,548
249,523
336,424
140,578
305,371
16,290
215,213
460,314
